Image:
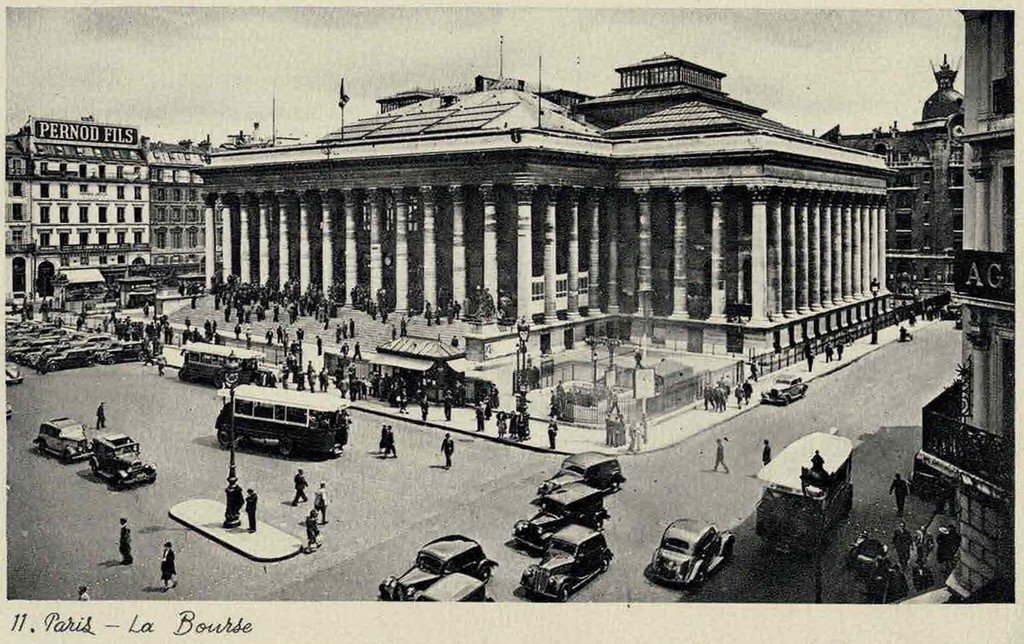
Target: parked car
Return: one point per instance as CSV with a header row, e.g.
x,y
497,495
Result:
x,y
593,468
576,555
70,358
435,561
456,587
119,352
689,551
950,312
14,376
116,458
64,437
575,503
784,390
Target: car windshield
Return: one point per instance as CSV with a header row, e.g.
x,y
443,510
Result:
x,y
557,545
429,563
676,545
574,467
127,449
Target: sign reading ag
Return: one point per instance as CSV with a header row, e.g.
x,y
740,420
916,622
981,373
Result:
x,y
85,132
985,275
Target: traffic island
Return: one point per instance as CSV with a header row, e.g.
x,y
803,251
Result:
x,y
207,517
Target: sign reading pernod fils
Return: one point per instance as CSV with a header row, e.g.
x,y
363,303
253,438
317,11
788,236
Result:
x,y
85,132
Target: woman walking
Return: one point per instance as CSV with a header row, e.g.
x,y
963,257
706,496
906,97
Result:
x,y
168,571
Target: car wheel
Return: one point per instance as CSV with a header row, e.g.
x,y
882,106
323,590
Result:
x,y
94,464
66,455
485,572
285,447
108,360
224,438
727,552
605,563
562,594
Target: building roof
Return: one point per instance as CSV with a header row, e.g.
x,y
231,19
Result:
x,y
699,116
666,58
84,276
500,109
421,348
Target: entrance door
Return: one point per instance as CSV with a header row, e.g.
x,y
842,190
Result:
x,y
569,338
44,279
18,275
545,343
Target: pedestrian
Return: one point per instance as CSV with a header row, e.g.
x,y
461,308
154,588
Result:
x,y
351,328
319,346
901,542
447,405
125,543
300,488
923,544
337,334
899,489
356,354
753,371
720,455
313,539
809,356
168,570
479,417
101,417
402,403
424,407
502,424
748,391
390,447
382,445
238,331
839,350
739,397
83,593
766,453
251,500
828,352
447,448
160,364
552,433
320,502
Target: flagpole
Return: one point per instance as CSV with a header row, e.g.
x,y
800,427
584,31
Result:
x,y
540,86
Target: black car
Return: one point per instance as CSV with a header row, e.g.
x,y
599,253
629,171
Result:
x,y
120,352
593,468
69,359
575,503
437,560
575,557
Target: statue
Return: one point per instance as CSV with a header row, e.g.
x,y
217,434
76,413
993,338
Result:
x,y
487,306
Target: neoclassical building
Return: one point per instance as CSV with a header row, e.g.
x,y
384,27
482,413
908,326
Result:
x,y
666,208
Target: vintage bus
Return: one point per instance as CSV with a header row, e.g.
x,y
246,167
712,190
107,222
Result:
x,y
202,362
293,420
800,502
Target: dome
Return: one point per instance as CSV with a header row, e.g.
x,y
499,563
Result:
x,y
944,102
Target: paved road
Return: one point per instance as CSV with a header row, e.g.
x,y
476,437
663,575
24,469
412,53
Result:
x,y
63,524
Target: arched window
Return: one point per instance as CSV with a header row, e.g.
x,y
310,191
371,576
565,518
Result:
x,y
161,238
193,238
176,238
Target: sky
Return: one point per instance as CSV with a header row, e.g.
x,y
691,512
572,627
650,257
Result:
x,y
185,73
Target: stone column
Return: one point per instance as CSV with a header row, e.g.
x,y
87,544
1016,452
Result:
x,y
847,250
775,256
613,252
680,277
487,192
573,304
838,255
327,260
826,250
758,253
869,233
814,252
283,254
351,254
209,243
883,274
226,245
376,263
789,259
550,267
594,269
459,246
401,251
802,273
644,237
264,246
524,249
873,243
717,278
858,251
245,266
303,241
429,246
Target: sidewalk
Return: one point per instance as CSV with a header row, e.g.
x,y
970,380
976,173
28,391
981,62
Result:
x,y
266,544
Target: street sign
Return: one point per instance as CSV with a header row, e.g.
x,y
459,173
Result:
x,y
643,383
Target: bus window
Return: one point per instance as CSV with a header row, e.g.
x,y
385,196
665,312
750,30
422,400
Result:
x,y
264,410
243,407
279,412
296,415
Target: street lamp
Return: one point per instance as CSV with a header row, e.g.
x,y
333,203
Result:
x,y
592,342
523,332
874,310
233,493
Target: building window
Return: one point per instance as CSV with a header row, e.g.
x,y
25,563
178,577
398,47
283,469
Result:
x,y
65,261
161,238
83,189
83,260
193,238
120,214
176,214
16,189
138,214
120,259
44,191
138,192
137,238
102,237
44,239
120,192
17,212
1008,201
119,172
63,210
82,169
103,171
102,188
44,214
16,237
192,194
83,214
177,194
161,194
83,239
103,260
120,238
63,191
103,214
63,239
63,168
176,238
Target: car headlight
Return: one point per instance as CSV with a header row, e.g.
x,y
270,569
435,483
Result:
x,y
521,525
122,473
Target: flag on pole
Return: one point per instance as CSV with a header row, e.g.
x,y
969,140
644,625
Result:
x,y
342,96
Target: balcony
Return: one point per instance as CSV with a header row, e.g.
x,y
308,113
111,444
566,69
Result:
x,y
967,448
22,248
93,249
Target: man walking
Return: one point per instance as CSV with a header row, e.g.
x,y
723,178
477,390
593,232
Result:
x,y
899,489
250,508
447,448
319,346
125,543
828,352
424,407
809,356
300,488
766,453
101,417
389,442
320,502
720,455
480,417
901,542
552,433
447,405
748,391
839,349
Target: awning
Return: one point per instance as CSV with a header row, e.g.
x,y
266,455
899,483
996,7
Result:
x,y
461,365
84,276
401,362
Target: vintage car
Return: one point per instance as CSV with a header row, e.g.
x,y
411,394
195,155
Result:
x,y
950,312
689,552
456,587
595,469
116,458
785,390
14,376
20,353
435,561
119,352
575,556
574,503
64,437
69,359
864,554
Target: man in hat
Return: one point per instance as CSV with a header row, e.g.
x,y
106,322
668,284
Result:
x,y
251,501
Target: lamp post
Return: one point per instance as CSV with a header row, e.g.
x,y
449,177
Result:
x,y
523,332
592,342
233,494
874,310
